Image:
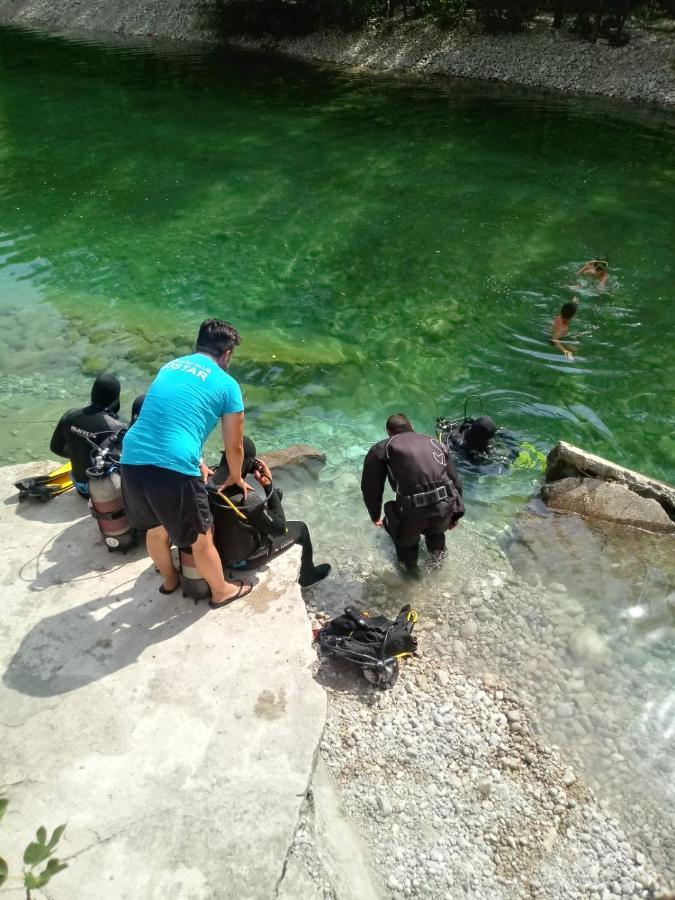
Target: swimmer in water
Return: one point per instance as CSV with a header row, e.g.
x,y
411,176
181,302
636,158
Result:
x,y
596,268
561,326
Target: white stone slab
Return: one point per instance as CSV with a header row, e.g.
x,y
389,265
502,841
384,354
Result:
x,y
177,742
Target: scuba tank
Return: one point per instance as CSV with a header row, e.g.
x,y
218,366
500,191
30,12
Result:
x,y
191,581
105,491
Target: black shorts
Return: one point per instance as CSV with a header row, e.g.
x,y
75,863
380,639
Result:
x,y
154,496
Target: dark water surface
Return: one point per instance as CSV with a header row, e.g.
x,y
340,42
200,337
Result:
x,y
383,244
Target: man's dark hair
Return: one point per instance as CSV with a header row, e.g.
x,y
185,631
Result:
x,y
568,310
398,424
217,337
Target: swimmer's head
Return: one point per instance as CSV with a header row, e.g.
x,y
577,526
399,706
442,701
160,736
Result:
x,y
568,310
601,265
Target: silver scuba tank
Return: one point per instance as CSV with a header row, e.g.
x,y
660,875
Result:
x,y
107,504
191,581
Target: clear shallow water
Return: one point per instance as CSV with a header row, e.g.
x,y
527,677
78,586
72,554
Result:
x,y
383,244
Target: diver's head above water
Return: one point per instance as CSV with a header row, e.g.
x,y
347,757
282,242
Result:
x,y
479,433
398,424
217,339
105,393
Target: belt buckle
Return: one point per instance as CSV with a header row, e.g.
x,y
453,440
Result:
x,y
441,493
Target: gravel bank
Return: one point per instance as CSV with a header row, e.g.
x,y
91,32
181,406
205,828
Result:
x,y
643,70
455,796
556,60
501,767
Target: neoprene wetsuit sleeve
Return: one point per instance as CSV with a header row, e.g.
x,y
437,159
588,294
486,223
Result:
x,y
266,515
373,479
453,476
58,442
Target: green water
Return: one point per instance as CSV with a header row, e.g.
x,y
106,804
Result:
x,y
383,244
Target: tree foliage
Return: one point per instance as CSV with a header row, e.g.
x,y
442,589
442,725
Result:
x,y
591,18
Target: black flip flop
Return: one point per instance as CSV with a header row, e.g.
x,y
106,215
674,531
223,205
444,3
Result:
x,y
163,590
244,584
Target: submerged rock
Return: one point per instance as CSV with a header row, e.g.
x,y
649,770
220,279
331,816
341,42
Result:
x,y
295,455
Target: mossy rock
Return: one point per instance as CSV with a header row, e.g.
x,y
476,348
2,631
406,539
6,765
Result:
x,y
92,365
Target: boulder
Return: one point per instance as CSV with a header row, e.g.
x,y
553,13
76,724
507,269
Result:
x,y
608,501
295,455
568,461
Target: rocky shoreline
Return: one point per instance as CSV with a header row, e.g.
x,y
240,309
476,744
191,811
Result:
x,y
555,60
464,778
642,71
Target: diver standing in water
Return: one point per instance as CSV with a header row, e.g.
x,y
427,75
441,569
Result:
x,y
428,492
163,473
100,417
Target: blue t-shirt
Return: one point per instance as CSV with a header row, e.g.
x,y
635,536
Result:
x,y
180,410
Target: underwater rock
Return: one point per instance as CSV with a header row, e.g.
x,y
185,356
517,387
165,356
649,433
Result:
x,y
587,647
295,455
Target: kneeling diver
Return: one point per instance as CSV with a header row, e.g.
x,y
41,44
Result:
x,y
428,492
99,417
250,530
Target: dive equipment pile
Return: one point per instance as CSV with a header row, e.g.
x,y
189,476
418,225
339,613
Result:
x,y
44,487
375,644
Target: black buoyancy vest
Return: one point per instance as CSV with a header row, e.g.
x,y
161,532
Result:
x,y
416,463
236,539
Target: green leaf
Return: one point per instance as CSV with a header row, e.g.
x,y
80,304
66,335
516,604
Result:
x,y
41,835
4,803
35,854
4,871
56,836
30,881
53,868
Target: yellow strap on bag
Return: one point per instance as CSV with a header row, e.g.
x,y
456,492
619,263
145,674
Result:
x,y
237,512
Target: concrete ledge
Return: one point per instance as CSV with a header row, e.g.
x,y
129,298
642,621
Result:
x,y
177,742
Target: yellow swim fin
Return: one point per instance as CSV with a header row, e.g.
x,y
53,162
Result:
x,y
44,487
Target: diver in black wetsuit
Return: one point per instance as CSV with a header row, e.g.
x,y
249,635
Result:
x,y
428,492
251,530
477,445
99,416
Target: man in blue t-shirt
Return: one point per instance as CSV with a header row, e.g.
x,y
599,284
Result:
x,y
163,473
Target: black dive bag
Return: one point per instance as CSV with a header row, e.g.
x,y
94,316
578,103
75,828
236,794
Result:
x,y
374,644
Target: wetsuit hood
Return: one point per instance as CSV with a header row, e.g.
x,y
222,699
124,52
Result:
x,y
136,408
479,434
223,471
105,393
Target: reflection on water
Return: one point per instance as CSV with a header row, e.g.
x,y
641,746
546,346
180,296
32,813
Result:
x,y
384,244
